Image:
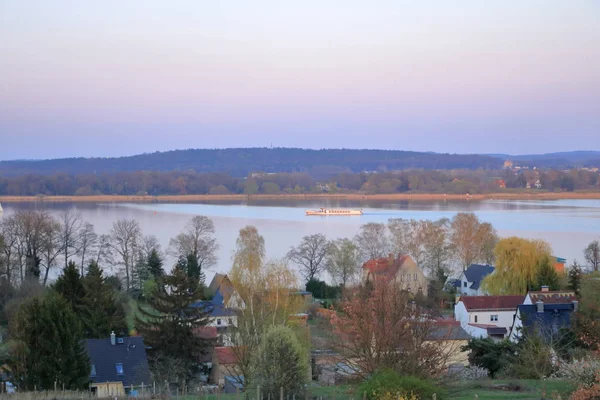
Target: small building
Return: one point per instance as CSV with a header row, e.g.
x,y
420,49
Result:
x,y
559,264
452,337
219,316
117,364
544,319
550,297
224,364
402,270
487,316
471,278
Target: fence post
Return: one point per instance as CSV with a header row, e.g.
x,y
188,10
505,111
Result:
x,y
257,392
153,387
435,396
364,395
281,393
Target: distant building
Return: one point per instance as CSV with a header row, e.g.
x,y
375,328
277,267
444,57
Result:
x,y
487,316
402,270
500,183
559,264
117,364
546,320
550,297
470,280
508,164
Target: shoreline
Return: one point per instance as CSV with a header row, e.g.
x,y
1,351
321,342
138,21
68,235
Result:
x,y
301,197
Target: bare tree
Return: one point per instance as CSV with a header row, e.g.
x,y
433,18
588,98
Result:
x,y
30,230
149,243
10,240
592,255
198,239
87,244
472,240
437,246
343,261
408,238
104,253
52,246
310,255
372,241
71,224
125,239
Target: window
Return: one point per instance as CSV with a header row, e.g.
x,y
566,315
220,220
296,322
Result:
x,y
119,369
494,318
476,319
464,284
218,321
93,372
414,277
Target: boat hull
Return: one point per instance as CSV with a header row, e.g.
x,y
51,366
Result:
x,y
326,213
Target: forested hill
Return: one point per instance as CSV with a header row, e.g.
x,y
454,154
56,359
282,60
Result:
x,y
239,162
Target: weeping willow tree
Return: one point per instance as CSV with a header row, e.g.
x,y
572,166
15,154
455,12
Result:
x,y
517,263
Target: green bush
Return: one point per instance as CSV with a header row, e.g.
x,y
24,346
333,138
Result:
x,y
389,384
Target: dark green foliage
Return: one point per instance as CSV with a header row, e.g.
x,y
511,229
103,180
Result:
x,y
48,348
321,290
100,313
547,275
169,321
193,269
70,287
155,264
114,282
489,354
575,278
389,384
7,292
32,266
281,362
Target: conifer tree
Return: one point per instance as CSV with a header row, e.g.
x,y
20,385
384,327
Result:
x,y
194,270
575,278
155,264
49,346
170,322
70,286
547,275
101,313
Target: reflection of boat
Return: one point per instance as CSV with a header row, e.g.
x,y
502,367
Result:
x,y
333,211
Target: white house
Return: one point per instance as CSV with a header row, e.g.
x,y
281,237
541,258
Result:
x,y
470,280
487,316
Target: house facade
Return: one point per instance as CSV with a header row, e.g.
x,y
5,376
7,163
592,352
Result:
x,y
471,278
487,316
544,319
402,270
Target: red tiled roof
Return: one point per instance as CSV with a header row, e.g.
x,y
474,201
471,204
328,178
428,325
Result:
x,y
386,265
554,297
225,355
492,302
206,332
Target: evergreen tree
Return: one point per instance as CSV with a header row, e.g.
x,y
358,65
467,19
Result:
x,y
101,313
155,264
170,321
575,278
141,272
546,275
70,286
49,346
194,270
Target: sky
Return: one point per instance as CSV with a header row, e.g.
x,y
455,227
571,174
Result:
x,y
114,77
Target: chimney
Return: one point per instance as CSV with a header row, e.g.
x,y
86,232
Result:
x,y
575,305
545,288
540,306
113,338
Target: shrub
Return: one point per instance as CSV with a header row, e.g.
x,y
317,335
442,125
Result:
x,y
583,373
489,354
388,384
472,373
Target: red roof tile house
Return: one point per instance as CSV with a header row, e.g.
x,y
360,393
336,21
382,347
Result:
x,y
550,297
487,316
402,270
224,364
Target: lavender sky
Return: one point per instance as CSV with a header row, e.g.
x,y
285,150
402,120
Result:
x,y
116,77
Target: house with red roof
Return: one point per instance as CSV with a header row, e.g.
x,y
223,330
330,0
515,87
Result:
x,y
487,316
400,269
225,360
550,296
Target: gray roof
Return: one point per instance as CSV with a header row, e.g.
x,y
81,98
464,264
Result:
x,y
448,331
476,272
131,354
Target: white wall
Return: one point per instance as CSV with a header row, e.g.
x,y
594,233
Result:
x,y
212,321
505,318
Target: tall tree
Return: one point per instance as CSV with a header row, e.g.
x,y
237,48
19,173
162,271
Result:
x,y
169,325
49,349
472,240
587,325
574,278
592,255
124,240
546,275
88,240
372,241
437,247
408,237
310,255
517,262
197,238
343,261
101,313
70,286
155,264
71,223
52,246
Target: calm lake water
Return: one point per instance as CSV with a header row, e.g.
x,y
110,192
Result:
x,y
568,225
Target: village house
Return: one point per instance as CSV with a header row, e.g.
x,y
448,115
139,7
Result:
x,y
544,319
118,365
471,278
402,270
452,337
224,364
550,297
487,316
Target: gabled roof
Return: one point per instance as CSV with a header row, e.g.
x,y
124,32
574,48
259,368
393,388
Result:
x,y
221,283
498,303
553,297
131,355
387,266
476,272
214,309
448,330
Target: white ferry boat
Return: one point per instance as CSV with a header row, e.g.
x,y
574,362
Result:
x,y
333,211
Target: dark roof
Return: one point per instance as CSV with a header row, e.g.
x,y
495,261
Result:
x,y
554,317
492,302
448,331
453,283
497,330
215,307
553,297
131,354
476,272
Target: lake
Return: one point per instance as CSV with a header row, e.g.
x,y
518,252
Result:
x,y
568,225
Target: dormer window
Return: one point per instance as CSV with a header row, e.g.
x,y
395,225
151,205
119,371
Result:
x,y
93,371
119,367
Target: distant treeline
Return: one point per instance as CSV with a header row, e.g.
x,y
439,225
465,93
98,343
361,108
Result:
x,y
412,181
